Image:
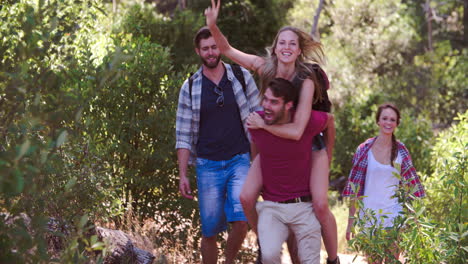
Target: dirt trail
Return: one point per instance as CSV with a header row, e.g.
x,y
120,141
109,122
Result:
x,y
344,258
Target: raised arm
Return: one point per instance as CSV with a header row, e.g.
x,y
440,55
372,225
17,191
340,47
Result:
x,y
249,61
295,129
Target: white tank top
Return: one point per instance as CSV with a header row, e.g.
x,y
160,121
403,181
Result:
x,y
379,188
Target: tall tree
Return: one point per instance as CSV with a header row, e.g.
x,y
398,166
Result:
x,y
314,31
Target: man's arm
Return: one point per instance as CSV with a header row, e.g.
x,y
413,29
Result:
x,y
184,138
184,183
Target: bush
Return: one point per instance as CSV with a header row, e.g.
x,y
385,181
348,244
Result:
x,y
131,125
43,164
140,19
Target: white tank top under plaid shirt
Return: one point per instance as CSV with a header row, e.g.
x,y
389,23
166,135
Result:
x,y
380,186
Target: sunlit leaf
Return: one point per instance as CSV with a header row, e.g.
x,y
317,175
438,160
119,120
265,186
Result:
x,y
23,149
62,138
70,184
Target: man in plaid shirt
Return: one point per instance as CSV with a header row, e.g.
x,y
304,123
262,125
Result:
x,y
211,134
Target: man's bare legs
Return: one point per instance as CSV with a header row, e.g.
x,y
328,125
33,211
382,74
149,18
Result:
x,y
209,250
235,238
209,246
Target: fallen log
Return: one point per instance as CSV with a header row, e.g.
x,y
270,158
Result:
x,y
122,249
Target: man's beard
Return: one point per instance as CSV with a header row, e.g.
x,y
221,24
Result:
x,y
211,65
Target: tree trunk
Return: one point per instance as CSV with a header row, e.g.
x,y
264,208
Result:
x,y
315,34
465,22
182,4
114,5
428,10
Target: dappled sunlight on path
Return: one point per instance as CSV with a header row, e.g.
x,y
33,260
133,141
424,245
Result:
x,y
344,258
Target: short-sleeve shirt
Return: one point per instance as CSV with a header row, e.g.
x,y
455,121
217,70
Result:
x,y
286,163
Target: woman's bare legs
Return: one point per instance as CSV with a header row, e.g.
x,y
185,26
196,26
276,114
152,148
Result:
x,y
250,193
319,191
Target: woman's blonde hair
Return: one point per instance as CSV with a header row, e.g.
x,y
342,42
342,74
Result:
x,y
311,52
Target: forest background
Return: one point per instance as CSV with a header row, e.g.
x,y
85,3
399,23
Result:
x,y
88,95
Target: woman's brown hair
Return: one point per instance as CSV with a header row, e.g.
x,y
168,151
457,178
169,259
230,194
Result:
x,y
382,107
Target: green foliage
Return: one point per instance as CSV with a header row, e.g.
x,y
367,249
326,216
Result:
x,y
302,14
368,39
354,124
447,24
447,185
251,25
41,169
443,228
87,123
434,83
131,125
174,32
42,110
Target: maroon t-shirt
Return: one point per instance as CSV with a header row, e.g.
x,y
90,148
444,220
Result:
x,y
286,163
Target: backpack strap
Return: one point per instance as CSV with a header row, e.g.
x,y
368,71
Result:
x,y
236,68
190,82
322,76
325,104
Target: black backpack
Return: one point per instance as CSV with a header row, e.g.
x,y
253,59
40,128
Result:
x,y
237,73
324,104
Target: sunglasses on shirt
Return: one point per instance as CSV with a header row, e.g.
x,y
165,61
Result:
x,y
219,92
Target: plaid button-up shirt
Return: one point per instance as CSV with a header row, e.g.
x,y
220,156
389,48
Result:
x,y
357,176
188,110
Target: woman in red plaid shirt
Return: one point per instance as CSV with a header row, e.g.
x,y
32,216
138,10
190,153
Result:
x,y
372,175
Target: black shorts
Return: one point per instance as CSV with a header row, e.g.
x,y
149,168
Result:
x,y
318,142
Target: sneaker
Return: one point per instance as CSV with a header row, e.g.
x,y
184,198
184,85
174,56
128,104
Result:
x,y
336,261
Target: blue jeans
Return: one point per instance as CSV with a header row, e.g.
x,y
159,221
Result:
x,y
219,186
